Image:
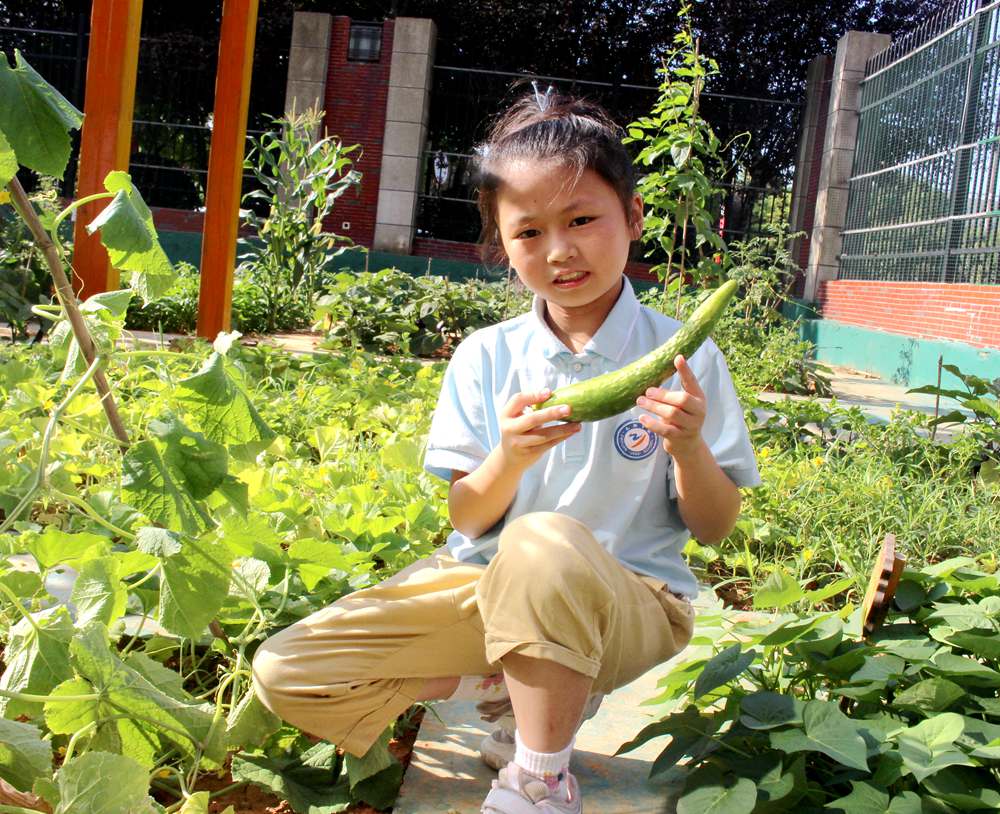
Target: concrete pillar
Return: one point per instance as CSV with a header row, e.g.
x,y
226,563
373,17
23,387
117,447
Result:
x,y
407,110
807,162
308,60
853,51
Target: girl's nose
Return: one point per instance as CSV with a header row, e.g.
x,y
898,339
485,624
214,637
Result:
x,y
560,250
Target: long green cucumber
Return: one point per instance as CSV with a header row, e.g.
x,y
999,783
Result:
x,y
615,392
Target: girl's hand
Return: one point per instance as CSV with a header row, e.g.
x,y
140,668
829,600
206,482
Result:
x,y
677,415
523,439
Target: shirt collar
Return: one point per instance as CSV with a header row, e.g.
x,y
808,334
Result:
x,y
610,339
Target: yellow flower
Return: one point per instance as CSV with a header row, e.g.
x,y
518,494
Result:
x,y
163,773
765,452
818,460
4,196
807,554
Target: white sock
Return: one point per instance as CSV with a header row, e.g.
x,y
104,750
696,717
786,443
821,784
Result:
x,y
480,688
548,766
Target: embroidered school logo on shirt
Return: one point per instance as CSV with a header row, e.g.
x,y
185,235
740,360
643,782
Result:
x,y
634,441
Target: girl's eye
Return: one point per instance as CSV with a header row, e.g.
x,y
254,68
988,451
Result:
x,y
584,218
527,233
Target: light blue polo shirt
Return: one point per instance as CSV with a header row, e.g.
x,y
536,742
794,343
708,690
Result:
x,y
613,475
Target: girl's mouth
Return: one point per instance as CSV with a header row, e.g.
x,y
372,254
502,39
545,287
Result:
x,y
571,279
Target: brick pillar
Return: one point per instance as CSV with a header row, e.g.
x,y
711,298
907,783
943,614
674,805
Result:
x,y
308,61
853,51
405,133
807,163
356,95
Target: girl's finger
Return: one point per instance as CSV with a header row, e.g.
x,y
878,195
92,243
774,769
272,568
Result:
x,y
543,435
680,399
519,401
688,380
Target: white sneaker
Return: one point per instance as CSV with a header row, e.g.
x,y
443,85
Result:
x,y
517,792
497,748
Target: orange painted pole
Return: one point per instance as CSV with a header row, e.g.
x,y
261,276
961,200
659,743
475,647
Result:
x,y
225,166
106,138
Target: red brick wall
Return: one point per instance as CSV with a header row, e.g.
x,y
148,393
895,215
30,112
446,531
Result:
x,y
965,313
356,96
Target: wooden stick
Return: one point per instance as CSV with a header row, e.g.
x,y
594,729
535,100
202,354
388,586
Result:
x,y
67,298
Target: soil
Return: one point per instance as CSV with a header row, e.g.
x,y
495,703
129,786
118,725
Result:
x,y
251,799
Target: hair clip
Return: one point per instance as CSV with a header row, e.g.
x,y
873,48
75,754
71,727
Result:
x,y
542,101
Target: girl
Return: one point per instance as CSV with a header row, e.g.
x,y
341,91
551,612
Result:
x,y
563,579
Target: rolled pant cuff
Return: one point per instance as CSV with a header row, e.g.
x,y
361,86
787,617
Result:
x,y
549,651
365,732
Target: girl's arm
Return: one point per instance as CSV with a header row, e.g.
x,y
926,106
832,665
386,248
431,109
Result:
x,y
477,500
709,502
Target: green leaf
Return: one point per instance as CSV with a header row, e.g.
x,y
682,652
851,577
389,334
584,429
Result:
x,y
310,782
767,710
984,646
24,756
164,679
778,591
8,161
692,737
964,670
199,465
375,760
221,409
714,797
158,542
153,491
197,803
722,668
250,723
928,747
37,660
910,595
123,689
863,799
380,790
827,730
930,696
824,593
965,788
193,588
35,118
127,232
57,547
98,593
102,783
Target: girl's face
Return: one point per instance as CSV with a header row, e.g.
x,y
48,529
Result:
x,y
568,243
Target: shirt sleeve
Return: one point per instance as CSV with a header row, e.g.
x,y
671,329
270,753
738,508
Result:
x,y
725,428
458,436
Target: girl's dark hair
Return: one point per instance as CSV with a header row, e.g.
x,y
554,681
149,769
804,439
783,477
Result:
x,y
572,130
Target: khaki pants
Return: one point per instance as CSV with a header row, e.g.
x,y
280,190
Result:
x,y
551,592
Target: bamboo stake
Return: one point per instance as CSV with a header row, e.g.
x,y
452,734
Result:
x,y
67,298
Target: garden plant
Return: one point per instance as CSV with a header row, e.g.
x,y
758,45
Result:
x,y
163,511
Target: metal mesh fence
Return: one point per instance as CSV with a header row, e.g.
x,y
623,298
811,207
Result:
x,y
464,98
175,88
924,196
